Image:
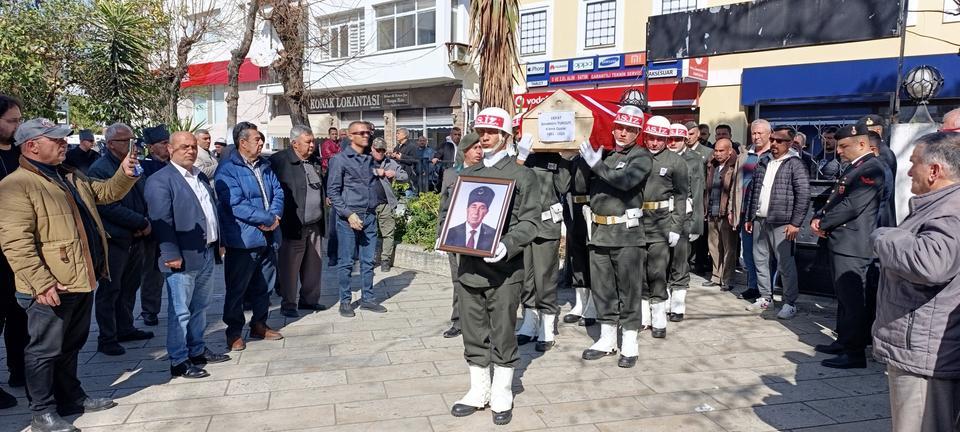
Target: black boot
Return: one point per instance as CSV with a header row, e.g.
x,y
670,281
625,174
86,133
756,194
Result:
x,y
51,422
502,418
461,410
7,400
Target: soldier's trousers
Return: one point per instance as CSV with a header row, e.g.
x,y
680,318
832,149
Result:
x,y
856,300
616,287
454,265
577,248
656,264
151,283
541,262
678,277
488,318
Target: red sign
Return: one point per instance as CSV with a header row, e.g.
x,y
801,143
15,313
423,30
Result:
x,y
661,95
635,59
215,73
697,69
596,76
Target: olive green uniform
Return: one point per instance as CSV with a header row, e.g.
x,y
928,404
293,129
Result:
x,y
667,183
679,277
616,248
541,259
491,291
700,248
577,226
450,176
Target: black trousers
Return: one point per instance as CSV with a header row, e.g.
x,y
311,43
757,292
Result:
x,y
116,297
699,250
657,264
853,281
617,282
250,275
541,263
488,319
13,320
679,274
56,336
577,248
151,285
454,268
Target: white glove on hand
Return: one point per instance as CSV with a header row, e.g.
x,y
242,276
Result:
x,y
694,237
498,255
589,155
524,147
673,238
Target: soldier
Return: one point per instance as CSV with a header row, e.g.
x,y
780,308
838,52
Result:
x,y
616,235
678,280
699,249
584,310
491,286
664,207
846,221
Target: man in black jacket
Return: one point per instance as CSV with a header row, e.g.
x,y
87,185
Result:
x,y
298,170
846,221
83,156
407,155
127,223
777,206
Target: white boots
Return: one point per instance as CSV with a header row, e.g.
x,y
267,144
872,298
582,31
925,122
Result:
x,y
545,338
501,395
606,345
498,393
658,315
582,294
645,313
528,329
678,305
479,394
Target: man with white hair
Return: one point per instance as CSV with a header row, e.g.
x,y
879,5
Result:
x,y
760,131
951,121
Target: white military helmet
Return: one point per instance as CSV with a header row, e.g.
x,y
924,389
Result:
x,y
658,125
494,118
517,120
629,115
678,130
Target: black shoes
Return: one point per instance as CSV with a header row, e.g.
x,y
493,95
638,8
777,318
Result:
x,y
659,333
188,370
111,349
502,418
17,379
676,317
290,313
51,422
461,410
135,335
209,357
832,348
571,318
452,332
523,339
88,405
150,320
346,310
725,288
846,361
545,346
592,354
750,294
372,307
586,322
627,362
7,400
311,307
709,284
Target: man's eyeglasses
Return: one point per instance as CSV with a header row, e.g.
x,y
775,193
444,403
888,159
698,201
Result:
x,y
363,133
780,140
380,150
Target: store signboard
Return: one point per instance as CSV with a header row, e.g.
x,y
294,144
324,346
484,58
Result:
x,y
378,100
596,69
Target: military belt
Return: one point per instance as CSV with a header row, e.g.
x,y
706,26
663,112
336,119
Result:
x,y
609,220
656,205
581,199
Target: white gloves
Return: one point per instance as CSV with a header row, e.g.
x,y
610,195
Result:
x,y
694,237
673,238
524,147
589,155
498,255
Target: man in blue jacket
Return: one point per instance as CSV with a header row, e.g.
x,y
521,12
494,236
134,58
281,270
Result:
x,y
183,211
251,204
127,224
351,183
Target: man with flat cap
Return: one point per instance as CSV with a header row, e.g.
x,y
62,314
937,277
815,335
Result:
x,y
151,285
846,221
874,123
474,234
83,155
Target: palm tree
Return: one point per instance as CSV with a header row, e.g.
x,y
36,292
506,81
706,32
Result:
x,y
493,29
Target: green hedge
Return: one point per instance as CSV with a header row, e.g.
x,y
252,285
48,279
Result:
x,y
419,225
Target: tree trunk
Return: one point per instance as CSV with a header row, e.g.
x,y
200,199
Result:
x,y
236,59
289,21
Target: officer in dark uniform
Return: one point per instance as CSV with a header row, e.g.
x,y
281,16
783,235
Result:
x,y
678,280
846,221
616,240
664,208
699,247
491,286
584,310
541,259
888,212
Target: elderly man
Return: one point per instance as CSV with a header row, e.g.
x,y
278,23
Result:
x,y
299,171
54,240
746,166
183,210
151,284
83,155
951,121
776,209
387,171
205,160
128,225
407,155
251,204
351,186
719,186
916,326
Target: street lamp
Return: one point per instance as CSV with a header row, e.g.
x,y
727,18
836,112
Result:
x,y
922,84
632,96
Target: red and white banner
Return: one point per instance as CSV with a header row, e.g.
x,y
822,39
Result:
x,y
215,73
696,69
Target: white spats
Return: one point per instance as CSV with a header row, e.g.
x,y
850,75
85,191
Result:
x,y
547,321
501,395
658,312
629,347
678,301
645,313
479,394
608,338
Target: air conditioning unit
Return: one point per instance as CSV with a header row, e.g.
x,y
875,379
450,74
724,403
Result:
x,y
458,54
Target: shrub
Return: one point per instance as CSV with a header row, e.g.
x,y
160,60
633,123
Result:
x,y
419,225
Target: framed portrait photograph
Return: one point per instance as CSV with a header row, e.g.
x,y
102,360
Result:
x,y
476,217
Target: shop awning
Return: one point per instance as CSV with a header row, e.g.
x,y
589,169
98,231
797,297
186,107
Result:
x,y
661,95
872,80
215,73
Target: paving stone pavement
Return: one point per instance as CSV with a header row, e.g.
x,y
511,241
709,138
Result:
x,y
721,369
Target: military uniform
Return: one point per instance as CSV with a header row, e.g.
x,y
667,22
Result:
x,y
541,258
446,188
664,209
577,226
700,248
678,280
848,217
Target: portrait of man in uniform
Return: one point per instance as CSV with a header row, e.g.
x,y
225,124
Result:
x,y
475,217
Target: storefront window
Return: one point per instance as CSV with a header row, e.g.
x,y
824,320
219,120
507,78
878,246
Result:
x,y
406,23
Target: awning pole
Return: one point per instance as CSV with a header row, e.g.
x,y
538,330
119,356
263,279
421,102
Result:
x,y
646,68
902,25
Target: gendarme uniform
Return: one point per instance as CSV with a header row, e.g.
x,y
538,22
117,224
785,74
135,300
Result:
x,y
541,259
584,310
617,238
664,209
678,279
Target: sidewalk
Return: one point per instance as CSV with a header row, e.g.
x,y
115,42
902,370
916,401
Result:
x,y
722,368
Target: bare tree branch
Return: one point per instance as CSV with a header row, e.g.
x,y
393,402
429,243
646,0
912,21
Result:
x,y
236,59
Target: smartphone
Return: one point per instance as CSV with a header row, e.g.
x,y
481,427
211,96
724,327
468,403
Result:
x,y
131,150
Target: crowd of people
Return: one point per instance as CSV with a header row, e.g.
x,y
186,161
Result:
x,y
83,228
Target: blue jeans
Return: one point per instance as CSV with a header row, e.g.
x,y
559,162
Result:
x,y
746,245
189,296
349,240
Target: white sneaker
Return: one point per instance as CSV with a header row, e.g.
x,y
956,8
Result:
x,y
761,304
787,312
